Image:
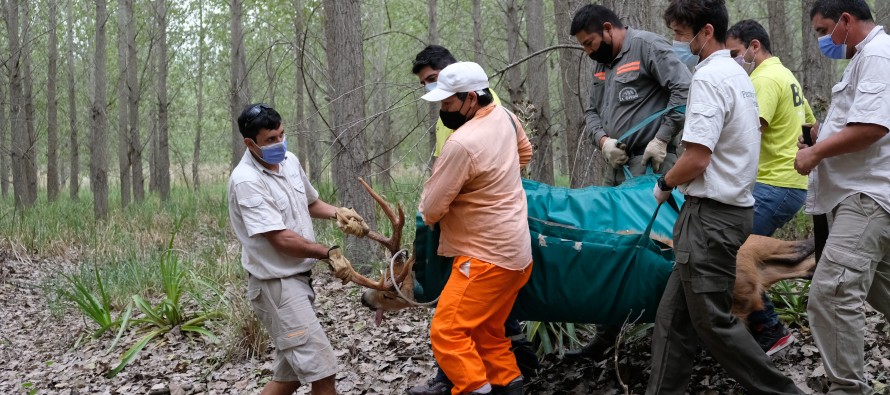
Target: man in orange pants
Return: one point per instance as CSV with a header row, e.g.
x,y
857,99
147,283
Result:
x,y
475,194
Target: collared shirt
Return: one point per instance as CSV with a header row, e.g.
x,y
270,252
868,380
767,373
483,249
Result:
x,y
260,201
784,108
862,96
442,133
475,192
722,115
645,78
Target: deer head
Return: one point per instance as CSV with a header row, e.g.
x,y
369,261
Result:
x,y
381,295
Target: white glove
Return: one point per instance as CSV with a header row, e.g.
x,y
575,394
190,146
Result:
x,y
614,152
660,196
656,150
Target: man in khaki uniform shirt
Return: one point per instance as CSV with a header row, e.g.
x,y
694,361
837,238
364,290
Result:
x,y
271,206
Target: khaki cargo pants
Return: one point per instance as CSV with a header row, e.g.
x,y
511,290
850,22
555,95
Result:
x,y
854,269
285,307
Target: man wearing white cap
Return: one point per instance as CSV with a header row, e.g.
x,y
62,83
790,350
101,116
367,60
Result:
x,y
475,194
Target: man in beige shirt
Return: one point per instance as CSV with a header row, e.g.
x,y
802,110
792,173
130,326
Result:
x,y
475,194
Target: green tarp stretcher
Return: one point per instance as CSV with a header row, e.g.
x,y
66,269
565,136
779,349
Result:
x,y
594,261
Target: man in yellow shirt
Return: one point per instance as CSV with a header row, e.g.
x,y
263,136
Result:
x,y
779,192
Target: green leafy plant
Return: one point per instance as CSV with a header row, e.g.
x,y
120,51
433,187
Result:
x,y
170,312
553,336
95,307
790,298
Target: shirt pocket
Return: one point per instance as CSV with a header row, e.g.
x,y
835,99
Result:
x,y
627,86
838,89
870,96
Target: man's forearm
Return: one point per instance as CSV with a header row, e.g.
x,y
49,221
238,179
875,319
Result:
x,y
321,210
691,165
852,138
289,242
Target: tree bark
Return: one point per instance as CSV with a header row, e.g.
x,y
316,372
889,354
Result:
x,y
515,87
52,104
239,95
780,40
196,155
134,92
98,118
4,140
433,31
123,97
380,108
73,145
346,70
580,148
478,46
163,153
299,122
539,92
16,103
316,169
30,157
881,12
818,70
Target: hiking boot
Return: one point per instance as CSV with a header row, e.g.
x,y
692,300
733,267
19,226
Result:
x,y
432,387
774,339
597,349
514,388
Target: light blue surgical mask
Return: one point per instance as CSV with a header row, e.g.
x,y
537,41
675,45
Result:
x,y
430,86
684,52
830,49
275,153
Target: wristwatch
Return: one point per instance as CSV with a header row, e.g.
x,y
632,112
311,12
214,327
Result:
x,y
662,184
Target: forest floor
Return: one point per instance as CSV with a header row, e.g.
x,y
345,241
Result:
x,y
39,352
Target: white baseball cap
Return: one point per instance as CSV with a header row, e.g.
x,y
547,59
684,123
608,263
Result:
x,y
458,77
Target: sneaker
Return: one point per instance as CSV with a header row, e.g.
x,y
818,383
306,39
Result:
x,y
774,339
432,387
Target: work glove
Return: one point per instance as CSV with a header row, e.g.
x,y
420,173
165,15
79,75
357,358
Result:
x,y
661,191
350,222
656,150
340,266
613,150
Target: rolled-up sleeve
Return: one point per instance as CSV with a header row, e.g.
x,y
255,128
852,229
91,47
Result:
x,y
452,170
673,76
258,211
871,102
704,115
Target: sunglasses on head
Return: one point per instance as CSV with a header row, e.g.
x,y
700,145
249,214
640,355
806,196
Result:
x,y
254,111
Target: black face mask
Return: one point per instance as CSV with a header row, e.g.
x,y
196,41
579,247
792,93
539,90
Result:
x,y
453,119
603,54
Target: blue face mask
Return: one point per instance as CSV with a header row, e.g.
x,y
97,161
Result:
x,y
274,154
830,49
430,86
684,52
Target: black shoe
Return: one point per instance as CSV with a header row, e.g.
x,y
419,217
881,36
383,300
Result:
x,y
432,387
514,388
774,339
597,350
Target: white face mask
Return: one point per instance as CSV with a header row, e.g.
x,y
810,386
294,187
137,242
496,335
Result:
x,y
747,66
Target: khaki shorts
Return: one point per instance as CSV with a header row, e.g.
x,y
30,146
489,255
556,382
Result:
x,y
285,307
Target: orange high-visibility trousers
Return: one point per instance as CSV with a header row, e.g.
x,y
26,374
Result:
x,y
467,331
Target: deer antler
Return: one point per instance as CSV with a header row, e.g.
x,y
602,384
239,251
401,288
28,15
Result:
x,y
398,222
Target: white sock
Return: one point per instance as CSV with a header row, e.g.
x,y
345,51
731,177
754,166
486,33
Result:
x,y
483,389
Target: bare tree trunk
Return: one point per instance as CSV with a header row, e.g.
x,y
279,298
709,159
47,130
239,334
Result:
x,y
539,92
346,69
573,64
299,123
433,31
74,146
135,151
515,86
16,110
99,120
163,158
478,49
4,141
239,88
153,145
52,104
30,158
380,108
818,72
780,41
123,138
633,13
196,156
315,157
881,13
